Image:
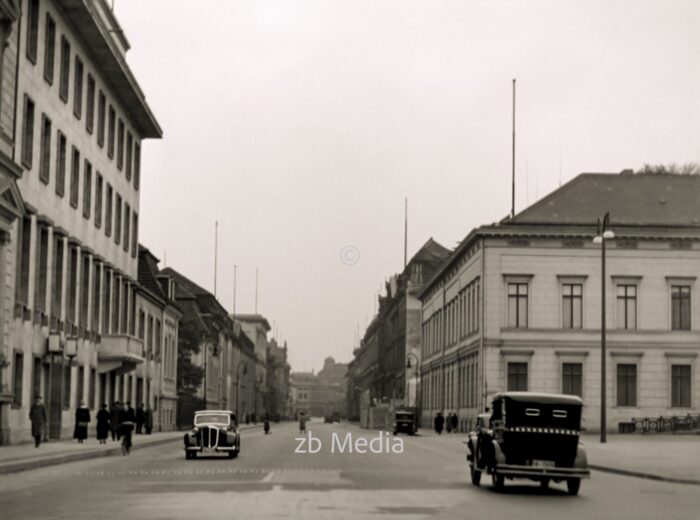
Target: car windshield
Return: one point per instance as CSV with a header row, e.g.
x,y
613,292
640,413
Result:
x,y
209,418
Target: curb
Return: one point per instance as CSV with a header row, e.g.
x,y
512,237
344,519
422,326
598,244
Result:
x,y
648,476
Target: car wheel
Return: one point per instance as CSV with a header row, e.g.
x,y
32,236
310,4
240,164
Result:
x,y
573,485
498,481
232,454
544,483
193,454
476,475
187,455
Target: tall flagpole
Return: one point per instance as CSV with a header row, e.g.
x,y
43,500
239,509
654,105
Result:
x,y
405,233
256,290
216,251
235,268
512,204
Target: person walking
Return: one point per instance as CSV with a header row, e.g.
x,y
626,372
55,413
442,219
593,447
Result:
x,y
127,421
455,422
302,423
439,423
448,423
148,418
266,424
114,414
37,415
140,418
103,424
82,419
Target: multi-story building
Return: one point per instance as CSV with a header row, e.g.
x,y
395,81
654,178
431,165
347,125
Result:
x,y
244,363
300,386
256,327
321,394
157,327
81,119
518,305
277,397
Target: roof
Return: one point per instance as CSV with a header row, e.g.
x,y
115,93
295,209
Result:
x,y
631,199
430,251
147,270
253,318
540,398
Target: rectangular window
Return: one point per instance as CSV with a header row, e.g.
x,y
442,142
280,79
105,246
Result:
x,y
127,227
75,178
106,300
87,189
680,386
517,377
80,385
680,307
85,292
142,325
137,165
72,284
57,282
517,305
98,201
90,107
110,132
95,304
28,133
60,163
65,69
49,49
18,371
118,220
626,385
91,388
108,211
66,386
129,144
135,236
32,29
78,88
626,307
101,109
572,379
36,378
120,145
42,268
572,313
115,304
45,157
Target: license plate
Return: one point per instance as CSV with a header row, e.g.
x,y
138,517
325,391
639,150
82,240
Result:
x,y
543,463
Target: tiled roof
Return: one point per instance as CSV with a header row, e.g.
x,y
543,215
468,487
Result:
x,y
147,270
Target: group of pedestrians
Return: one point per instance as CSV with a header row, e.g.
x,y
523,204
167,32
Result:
x,y
450,423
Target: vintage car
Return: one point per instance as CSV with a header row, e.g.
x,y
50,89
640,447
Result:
x,y
529,435
405,421
214,432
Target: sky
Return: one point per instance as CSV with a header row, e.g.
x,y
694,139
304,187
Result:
x,y
300,126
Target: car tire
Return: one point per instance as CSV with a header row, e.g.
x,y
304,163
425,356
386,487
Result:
x,y
475,475
573,485
544,483
232,454
498,481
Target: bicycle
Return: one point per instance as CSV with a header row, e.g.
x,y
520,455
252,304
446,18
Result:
x,y
127,428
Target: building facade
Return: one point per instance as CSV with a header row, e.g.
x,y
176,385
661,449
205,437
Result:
x,y
81,120
256,327
518,305
277,397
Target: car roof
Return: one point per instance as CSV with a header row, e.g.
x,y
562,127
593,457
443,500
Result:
x,y
541,398
229,412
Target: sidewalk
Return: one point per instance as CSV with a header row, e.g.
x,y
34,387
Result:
x,y
21,457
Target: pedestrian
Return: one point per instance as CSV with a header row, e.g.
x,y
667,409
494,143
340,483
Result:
x,y
127,421
103,424
439,423
114,414
455,422
37,415
266,424
82,419
140,418
302,423
247,418
448,423
148,424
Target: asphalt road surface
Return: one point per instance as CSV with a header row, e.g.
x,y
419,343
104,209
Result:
x,y
269,480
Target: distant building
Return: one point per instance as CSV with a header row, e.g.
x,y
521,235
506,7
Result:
x,y
256,328
518,304
321,394
277,397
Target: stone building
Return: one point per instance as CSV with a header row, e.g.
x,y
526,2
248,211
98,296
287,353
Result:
x,y
518,304
71,266
321,394
256,327
277,397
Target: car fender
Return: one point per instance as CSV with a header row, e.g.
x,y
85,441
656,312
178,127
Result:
x,y
498,455
581,457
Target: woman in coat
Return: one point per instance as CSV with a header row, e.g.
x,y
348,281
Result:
x,y
82,419
103,426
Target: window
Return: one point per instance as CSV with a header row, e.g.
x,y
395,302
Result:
x,y
57,287
108,211
65,69
572,379
106,300
85,291
129,142
110,132
101,106
17,379
571,305
49,49
626,385
95,297
680,386
137,165
127,227
80,385
75,178
142,325
626,306
42,267
517,305
66,386
45,158
135,236
87,189
78,88
32,29
98,201
680,307
517,376
60,163
90,108
23,260
28,132
118,220
91,388
73,284
120,145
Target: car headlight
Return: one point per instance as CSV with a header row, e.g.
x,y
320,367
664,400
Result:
x,y
195,430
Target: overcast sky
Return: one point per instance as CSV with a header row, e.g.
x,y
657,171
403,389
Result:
x,y
301,126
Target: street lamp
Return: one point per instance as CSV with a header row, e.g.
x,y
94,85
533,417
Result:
x,y
603,234
238,386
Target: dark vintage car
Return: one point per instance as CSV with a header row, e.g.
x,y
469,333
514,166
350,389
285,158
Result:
x,y
405,421
529,435
214,432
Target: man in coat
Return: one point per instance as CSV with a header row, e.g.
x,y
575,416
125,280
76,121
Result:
x,y
114,416
37,415
439,423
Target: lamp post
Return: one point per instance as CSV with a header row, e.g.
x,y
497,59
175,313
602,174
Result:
x,y
238,386
603,234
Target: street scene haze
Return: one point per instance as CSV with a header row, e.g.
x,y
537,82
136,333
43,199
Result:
x,y
349,259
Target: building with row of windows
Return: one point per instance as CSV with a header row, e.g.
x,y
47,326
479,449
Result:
x,y
518,304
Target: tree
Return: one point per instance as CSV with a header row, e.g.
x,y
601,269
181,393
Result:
x,y
691,168
189,376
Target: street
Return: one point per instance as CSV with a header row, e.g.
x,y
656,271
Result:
x,y
268,480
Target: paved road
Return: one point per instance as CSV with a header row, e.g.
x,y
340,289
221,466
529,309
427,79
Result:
x,y
428,480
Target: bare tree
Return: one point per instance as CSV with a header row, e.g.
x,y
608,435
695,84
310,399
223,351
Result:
x,y
691,168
